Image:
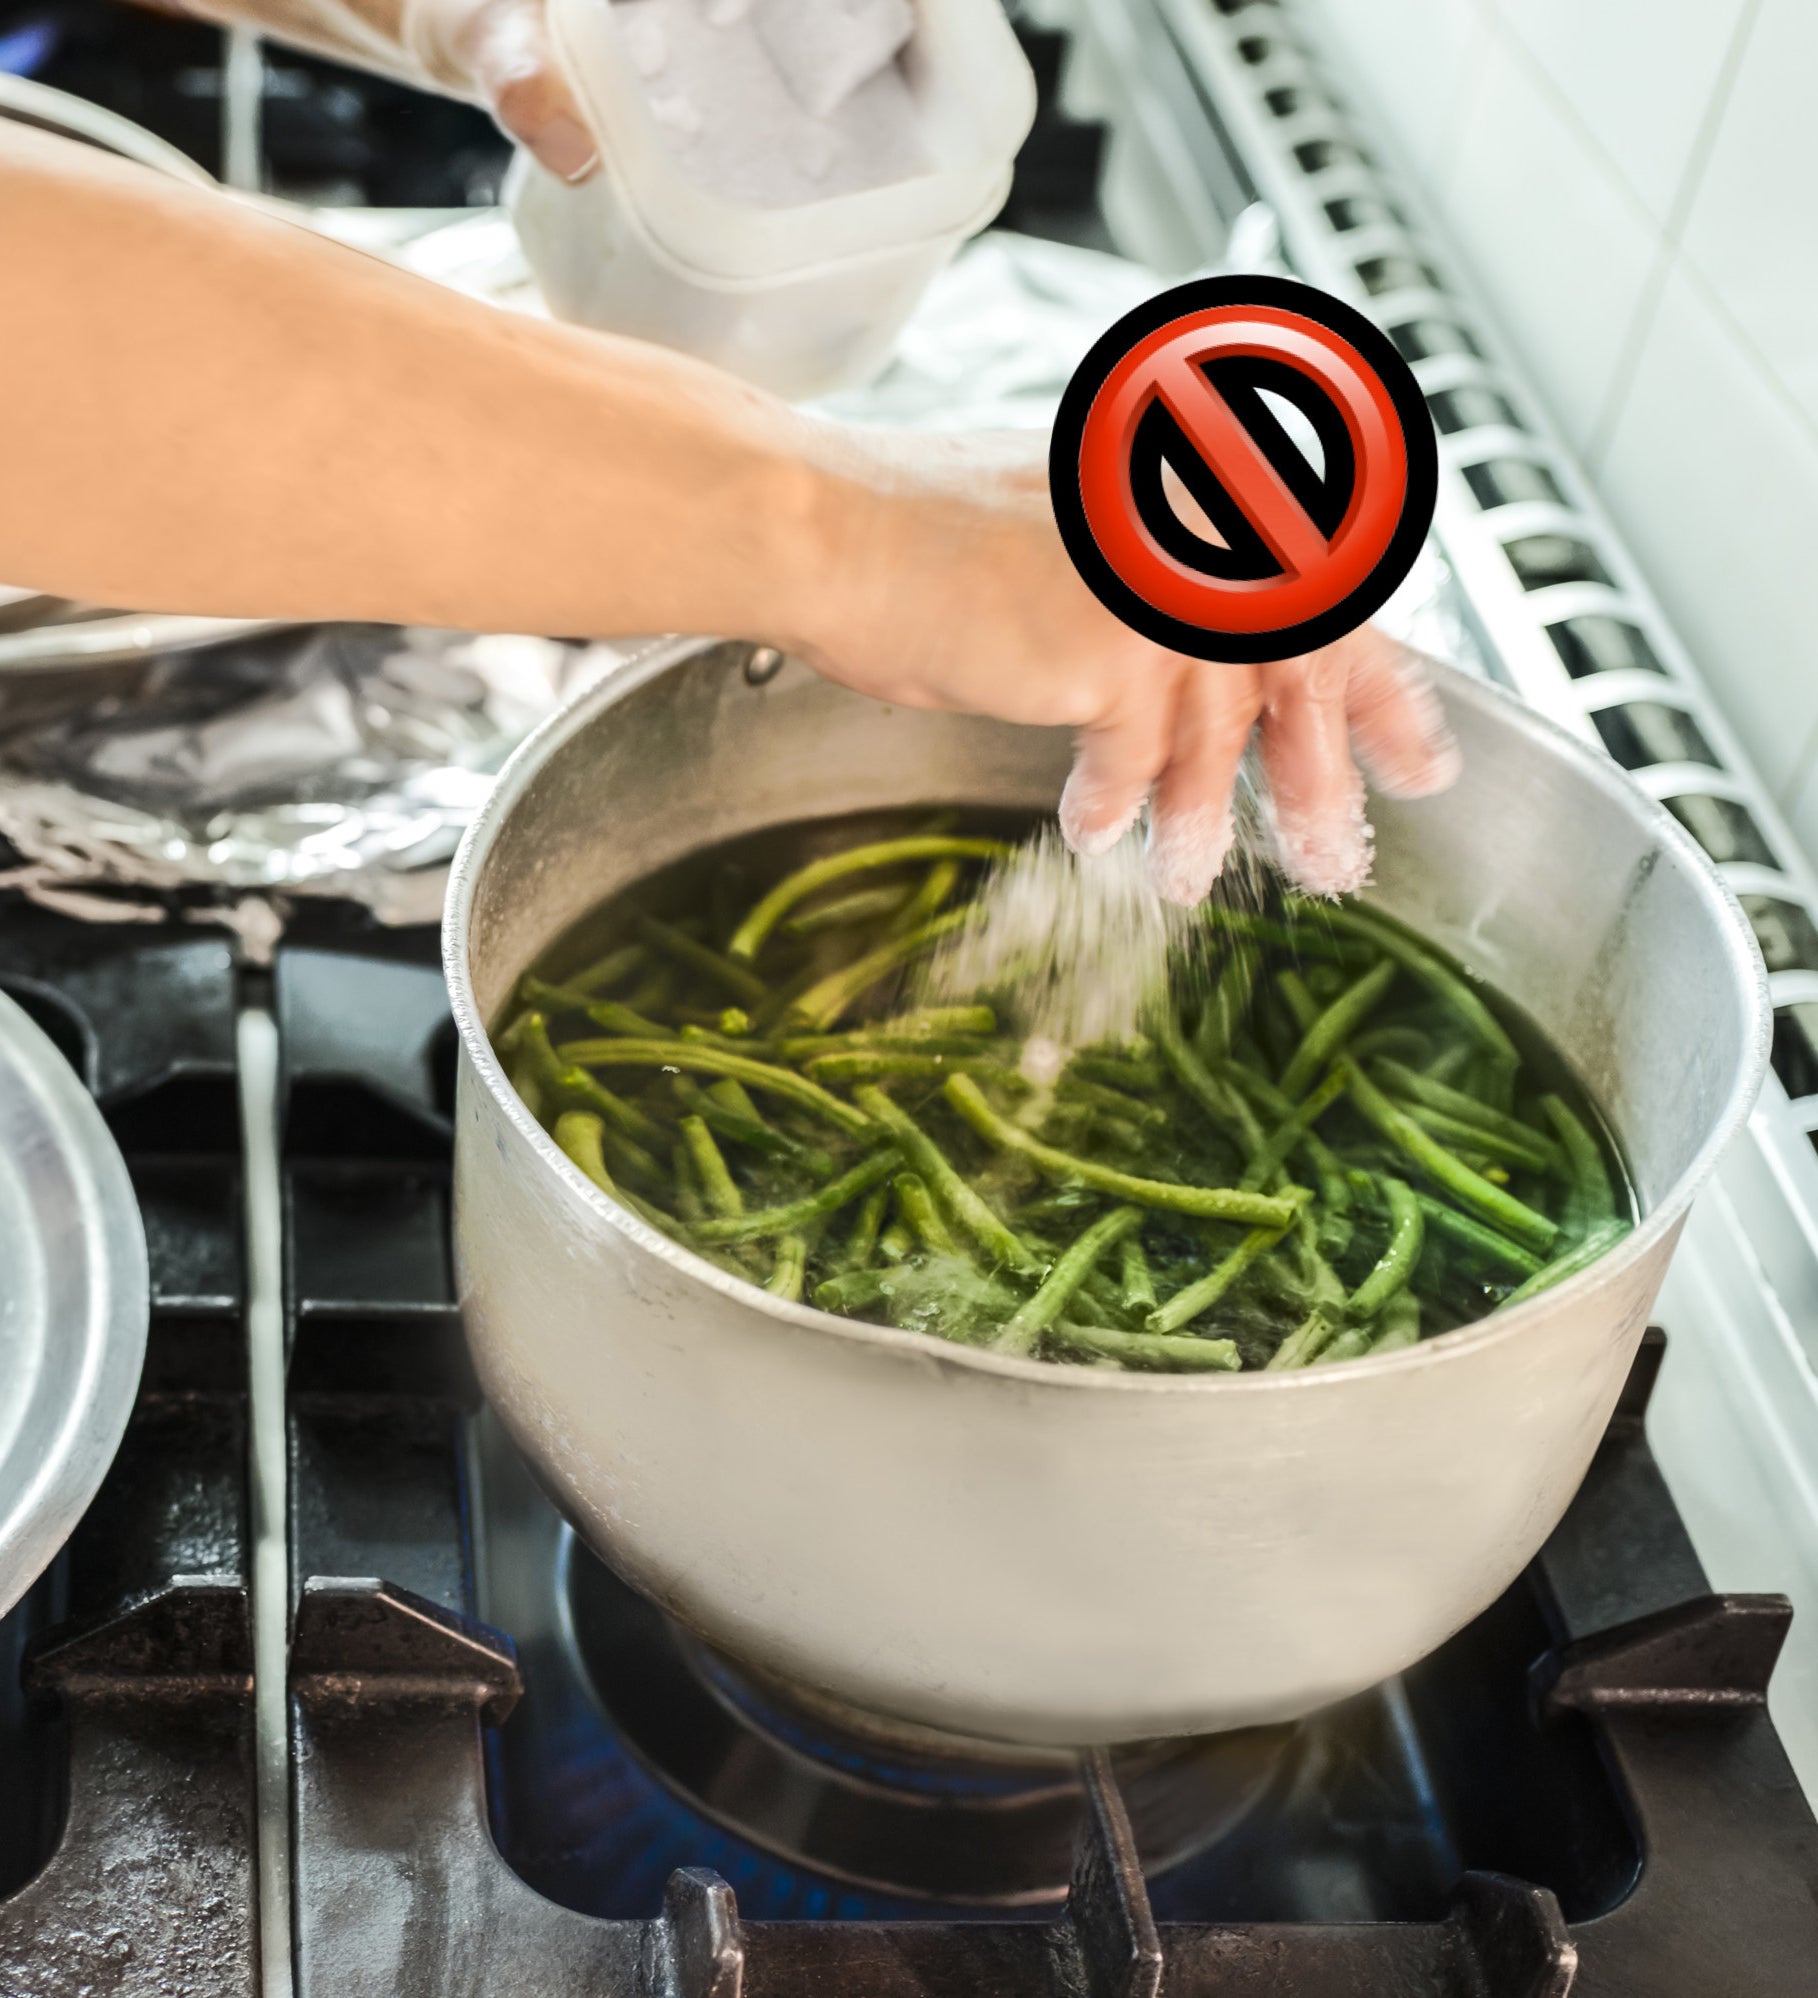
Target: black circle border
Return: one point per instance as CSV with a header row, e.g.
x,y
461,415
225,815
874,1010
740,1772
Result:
x,y
1181,302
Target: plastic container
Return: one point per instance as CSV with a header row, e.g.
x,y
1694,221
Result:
x,y
801,300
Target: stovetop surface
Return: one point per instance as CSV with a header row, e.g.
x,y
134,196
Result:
x,y
1580,1793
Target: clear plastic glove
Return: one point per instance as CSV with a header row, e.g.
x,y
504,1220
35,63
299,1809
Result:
x,y
498,52
954,591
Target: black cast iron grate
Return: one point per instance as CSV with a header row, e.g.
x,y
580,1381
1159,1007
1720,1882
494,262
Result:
x,y
1588,1796
127,1824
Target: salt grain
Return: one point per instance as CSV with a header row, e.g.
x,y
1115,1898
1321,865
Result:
x,y
1077,948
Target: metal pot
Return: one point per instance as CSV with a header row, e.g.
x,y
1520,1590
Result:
x,y
1035,1553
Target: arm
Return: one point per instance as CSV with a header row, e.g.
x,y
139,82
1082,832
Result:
x,y
231,415
228,415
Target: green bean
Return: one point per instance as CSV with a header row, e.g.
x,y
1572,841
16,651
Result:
x,y
1284,936
1450,1062
608,970
655,993
1400,1044
863,1240
563,1079
895,1242
852,1291
1137,1292
1070,1271
1603,1236
1225,1010
1227,1110
1117,1072
688,1201
1144,1351
1440,979
749,937
1114,1102
850,1068
796,1215
1591,1200
1490,1203
1219,1203
1474,1235
543,997
1400,1324
624,1021
745,1127
967,1209
1281,1143
1299,1001
1394,1267
724,1200
1264,1094
738,1044
739,979
735,1023
630,1161
718,1061
1436,1095
1335,1026
821,1005
937,885
1200,1296
1467,1135
731,1095
785,1278
521,1073
930,1030
919,1211
580,1134
847,912
1305,1343
1351,1344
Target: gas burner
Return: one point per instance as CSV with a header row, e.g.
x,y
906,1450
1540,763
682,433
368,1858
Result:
x,y
880,1804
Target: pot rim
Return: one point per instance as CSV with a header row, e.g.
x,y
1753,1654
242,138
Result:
x,y
1447,1348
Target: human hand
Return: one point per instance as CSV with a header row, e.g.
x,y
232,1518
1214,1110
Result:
x,y
954,591
499,52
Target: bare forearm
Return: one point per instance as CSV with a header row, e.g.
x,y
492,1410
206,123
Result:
x,y
230,416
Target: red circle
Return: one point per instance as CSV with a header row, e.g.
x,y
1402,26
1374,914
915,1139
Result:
x,y
1317,571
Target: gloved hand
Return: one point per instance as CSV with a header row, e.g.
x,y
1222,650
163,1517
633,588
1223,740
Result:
x,y
498,53
953,591
495,53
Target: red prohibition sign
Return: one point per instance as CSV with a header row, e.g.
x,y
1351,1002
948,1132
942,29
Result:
x,y
1195,355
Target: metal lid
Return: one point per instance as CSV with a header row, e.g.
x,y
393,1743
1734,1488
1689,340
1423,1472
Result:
x,y
74,1301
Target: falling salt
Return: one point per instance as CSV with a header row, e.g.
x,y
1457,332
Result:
x,y
1076,949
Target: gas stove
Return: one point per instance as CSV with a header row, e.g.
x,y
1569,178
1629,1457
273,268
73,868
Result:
x,y
324,1698
460,1757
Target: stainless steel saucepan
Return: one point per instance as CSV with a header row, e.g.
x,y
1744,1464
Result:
x,y
1036,1553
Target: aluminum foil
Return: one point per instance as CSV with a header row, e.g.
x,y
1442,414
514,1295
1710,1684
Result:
x,y
346,760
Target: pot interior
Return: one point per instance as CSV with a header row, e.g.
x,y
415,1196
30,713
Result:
x,y
1545,869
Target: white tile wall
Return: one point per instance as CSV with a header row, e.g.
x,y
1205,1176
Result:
x,y
1716,482
1633,187
1752,225
1418,57
1552,237
1637,79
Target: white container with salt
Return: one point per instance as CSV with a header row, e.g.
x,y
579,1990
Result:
x,y
780,179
